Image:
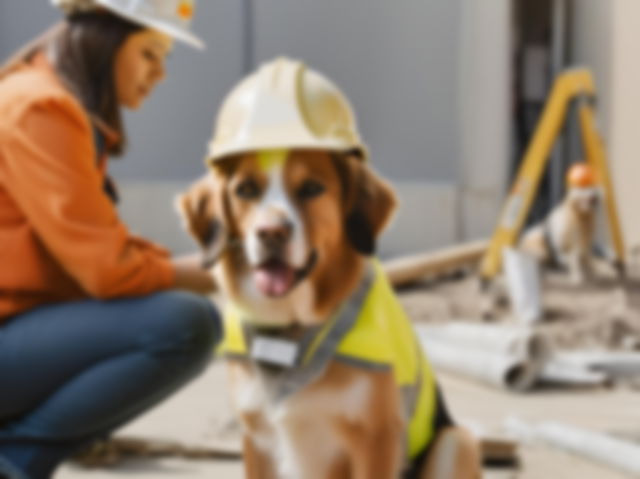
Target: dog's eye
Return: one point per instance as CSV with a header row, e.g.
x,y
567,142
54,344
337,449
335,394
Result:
x,y
248,189
310,189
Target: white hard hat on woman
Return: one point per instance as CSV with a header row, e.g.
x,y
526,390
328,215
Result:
x,y
172,17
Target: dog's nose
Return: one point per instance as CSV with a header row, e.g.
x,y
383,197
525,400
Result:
x,y
275,233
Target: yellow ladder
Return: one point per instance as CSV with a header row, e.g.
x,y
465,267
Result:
x,y
572,84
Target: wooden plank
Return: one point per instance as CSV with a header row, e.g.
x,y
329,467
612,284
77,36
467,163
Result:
x,y
121,448
499,451
414,267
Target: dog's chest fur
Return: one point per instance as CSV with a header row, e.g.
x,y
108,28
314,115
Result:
x,y
570,230
301,433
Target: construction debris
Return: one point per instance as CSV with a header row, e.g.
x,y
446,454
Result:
x,y
507,357
603,448
523,284
566,374
615,364
504,371
517,358
500,339
591,367
499,452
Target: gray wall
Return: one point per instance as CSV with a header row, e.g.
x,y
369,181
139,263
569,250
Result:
x,y
22,20
396,63
485,107
592,47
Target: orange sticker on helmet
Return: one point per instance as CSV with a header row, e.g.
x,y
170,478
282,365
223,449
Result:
x,y
185,10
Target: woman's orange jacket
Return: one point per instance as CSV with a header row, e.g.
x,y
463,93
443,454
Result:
x,y
60,235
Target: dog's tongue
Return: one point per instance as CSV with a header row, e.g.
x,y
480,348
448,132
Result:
x,y
274,279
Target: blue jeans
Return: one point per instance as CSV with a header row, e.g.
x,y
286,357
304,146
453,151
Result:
x,y
73,372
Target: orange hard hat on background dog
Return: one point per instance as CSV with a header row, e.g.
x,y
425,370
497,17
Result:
x,y
581,175
284,105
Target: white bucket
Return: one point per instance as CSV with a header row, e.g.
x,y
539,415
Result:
x,y
523,283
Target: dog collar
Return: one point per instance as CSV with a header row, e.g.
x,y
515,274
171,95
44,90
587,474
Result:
x,y
292,357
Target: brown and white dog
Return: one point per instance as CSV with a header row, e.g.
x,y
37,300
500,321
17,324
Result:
x,y
566,237
290,241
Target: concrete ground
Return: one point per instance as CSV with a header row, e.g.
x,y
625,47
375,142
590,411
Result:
x,y
200,415
195,416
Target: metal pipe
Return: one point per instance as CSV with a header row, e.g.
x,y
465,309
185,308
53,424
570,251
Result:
x,y
603,448
508,371
514,341
616,363
572,375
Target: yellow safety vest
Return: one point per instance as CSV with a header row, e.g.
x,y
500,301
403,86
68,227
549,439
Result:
x,y
380,334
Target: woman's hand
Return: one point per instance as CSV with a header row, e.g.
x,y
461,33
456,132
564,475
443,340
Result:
x,y
190,274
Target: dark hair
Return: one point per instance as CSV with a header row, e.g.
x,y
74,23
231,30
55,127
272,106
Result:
x,y
85,51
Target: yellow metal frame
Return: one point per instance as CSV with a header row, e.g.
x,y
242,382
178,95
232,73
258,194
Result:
x,y
572,84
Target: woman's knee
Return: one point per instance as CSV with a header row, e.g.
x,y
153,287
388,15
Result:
x,y
183,323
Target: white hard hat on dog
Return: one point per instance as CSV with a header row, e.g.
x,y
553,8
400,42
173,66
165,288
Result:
x,y
172,17
284,105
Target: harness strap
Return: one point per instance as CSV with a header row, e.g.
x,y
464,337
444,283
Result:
x,y
316,346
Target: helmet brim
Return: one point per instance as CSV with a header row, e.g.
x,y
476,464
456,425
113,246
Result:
x,y
173,31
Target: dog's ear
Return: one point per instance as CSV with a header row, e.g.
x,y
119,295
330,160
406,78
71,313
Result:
x,y
369,202
203,216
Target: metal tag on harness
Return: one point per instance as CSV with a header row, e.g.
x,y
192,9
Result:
x,y
275,351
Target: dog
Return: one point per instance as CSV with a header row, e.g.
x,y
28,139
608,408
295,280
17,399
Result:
x,y
565,239
311,323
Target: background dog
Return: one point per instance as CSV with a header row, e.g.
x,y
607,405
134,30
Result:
x,y
288,236
566,237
